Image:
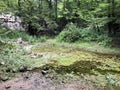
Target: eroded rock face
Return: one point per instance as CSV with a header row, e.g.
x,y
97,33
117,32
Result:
x,y
11,22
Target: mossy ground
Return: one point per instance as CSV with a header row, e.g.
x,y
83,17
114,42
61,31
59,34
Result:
x,y
101,69
63,59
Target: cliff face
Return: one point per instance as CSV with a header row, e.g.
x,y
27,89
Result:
x,y
11,22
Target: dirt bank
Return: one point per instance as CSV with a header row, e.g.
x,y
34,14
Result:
x,y
37,81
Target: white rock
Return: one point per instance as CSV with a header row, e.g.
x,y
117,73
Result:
x,y
11,22
19,40
2,63
28,48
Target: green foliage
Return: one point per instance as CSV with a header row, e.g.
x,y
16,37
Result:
x,y
104,40
94,12
14,34
43,38
72,34
37,22
3,6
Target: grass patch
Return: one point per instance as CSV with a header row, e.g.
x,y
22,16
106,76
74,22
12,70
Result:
x,y
88,46
15,34
68,57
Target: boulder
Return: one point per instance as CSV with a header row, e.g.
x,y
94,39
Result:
x,y
11,22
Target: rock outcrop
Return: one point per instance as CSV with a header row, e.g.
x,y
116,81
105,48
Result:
x,y
10,21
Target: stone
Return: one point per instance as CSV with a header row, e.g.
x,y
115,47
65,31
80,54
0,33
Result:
x,y
11,22
2,63
19,41
23,69
9,70
28,49
4,78
43,72
7,87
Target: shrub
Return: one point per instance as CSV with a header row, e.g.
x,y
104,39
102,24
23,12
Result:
x,y
104,40
88,35
14,34
43,39
11,34
72,34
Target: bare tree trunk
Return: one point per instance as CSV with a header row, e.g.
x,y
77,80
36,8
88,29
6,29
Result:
x,y
40,6
19,7
50,7
111,16
56,14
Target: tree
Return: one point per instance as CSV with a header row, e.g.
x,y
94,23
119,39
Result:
x,y
56,5
3,6
95,14
113,15
35,15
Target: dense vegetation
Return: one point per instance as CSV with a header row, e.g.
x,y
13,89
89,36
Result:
x,y
49,17
56,33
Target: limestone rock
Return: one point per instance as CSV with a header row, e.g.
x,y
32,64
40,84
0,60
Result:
x,y
2,63
11,22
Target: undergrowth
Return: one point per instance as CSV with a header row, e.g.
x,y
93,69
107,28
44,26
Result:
x,y
14,34
72,33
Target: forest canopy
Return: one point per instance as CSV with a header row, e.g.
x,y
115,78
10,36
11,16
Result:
x,y
50,17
